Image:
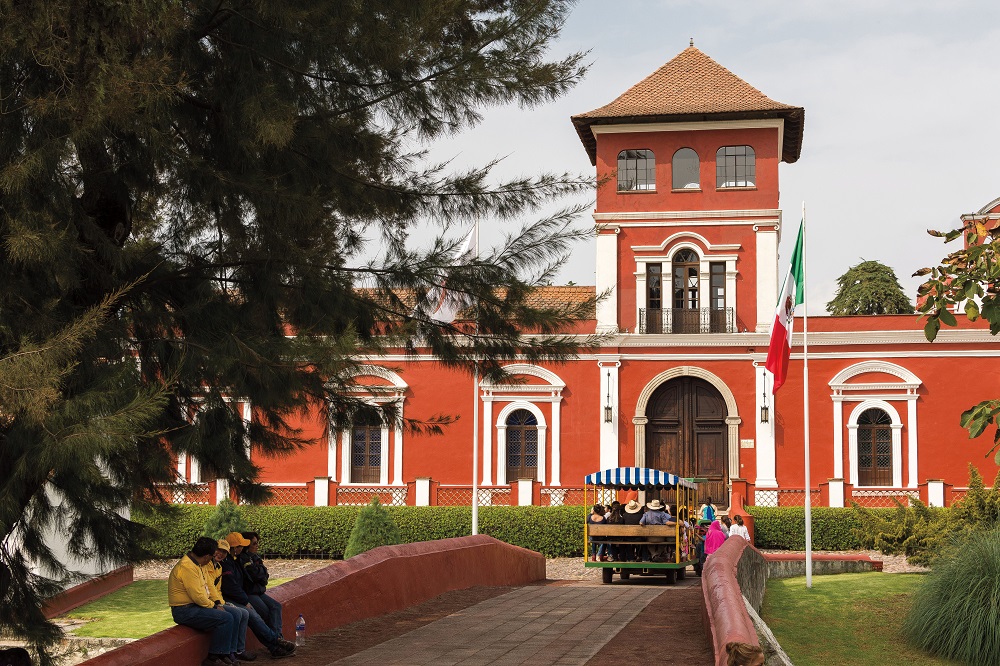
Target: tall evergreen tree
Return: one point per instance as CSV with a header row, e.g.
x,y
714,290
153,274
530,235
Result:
x,y
184,183
869,288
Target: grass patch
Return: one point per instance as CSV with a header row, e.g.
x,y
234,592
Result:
x,y
135,611
844,619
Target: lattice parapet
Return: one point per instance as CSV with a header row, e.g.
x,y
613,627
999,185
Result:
x,y
562,496
193,493
874,499
362,495
285,495
784,497
958,494
462,496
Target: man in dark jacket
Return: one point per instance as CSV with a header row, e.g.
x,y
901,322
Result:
x,y
234,592
255,576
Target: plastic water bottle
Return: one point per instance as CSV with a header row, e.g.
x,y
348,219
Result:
x,y
300,631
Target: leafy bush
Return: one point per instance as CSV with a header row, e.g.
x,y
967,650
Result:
x,y
917,532
784,528
226,518
372,528
295,531
955,612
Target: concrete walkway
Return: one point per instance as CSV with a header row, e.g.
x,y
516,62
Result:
x,y
564,624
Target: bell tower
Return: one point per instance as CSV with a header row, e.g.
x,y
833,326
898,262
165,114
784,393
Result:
x,y
687,201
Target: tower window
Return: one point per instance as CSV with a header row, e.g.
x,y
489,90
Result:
x,y
636,170
735,166
684,170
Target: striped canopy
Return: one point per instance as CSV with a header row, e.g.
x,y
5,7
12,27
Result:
x,y
636,477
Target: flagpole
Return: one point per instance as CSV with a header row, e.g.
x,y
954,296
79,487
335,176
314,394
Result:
x,y
475,415
805,400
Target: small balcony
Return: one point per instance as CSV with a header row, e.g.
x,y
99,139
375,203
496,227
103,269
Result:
x,y
701,320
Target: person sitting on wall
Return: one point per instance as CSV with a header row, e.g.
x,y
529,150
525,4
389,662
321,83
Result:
x,y
655,515
191,605
632,515
739,529
255,576
598,550
234,592
744,654
241,616
707,511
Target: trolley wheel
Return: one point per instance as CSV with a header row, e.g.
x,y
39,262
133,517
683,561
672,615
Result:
x,y
681,573
607,573
671,576
625,574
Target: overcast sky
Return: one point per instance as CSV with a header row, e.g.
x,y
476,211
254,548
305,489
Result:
x,y
902,101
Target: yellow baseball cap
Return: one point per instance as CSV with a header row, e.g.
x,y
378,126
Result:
x,y
236,539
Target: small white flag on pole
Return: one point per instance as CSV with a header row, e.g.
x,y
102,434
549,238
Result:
x,y
442,305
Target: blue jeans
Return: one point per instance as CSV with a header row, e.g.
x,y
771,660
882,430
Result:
x,y
241,616
218,623
260,629
268,609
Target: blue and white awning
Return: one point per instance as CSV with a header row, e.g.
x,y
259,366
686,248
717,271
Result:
x,y
636,477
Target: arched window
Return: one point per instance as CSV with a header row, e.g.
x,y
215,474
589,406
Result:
x,y
686,317
735,166
685,170
874,448
522,445
636,170
366,449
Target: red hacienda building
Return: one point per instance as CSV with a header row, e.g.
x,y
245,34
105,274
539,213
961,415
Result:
x,y
688,227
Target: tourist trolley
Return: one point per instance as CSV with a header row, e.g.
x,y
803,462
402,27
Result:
x,y
674,541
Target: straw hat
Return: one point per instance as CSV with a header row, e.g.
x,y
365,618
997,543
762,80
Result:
x,y
633,507
655,505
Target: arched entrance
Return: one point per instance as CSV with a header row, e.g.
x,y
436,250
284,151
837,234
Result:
x,y
687,434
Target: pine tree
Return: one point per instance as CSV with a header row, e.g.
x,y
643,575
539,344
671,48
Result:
x,y
226,518
869,288
373,527
183,184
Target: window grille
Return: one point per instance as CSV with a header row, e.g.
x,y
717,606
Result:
x,y
735,166
636,170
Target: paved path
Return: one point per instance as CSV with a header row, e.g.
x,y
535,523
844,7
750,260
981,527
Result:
x,y
564,624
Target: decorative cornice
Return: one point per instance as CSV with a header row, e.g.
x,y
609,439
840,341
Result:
x,y
709,247
909,380
737,215
629,128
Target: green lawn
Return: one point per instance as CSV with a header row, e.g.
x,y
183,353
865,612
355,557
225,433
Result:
x,y
135,611
844,619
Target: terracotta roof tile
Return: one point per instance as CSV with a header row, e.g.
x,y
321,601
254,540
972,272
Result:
x,y
692,86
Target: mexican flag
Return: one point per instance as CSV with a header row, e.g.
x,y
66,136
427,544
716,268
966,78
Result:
x,y
792,294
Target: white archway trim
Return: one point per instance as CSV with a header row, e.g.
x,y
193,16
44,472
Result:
x,y
706,246
897,441
988,208
909,380
526,369
501,426
376,371
733,419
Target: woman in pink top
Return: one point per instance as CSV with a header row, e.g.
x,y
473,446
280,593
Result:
x,y
714,539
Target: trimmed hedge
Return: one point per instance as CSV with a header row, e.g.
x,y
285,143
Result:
x,y
784,528
296,531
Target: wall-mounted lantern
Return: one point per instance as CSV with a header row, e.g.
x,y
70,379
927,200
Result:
x,y
608,416
765,412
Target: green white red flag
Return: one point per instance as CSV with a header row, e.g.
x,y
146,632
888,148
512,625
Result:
x,y
792,294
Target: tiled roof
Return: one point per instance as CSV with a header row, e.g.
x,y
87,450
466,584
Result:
x,y
691,87
542,297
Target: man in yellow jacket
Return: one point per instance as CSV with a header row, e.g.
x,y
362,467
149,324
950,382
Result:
x,y
191,602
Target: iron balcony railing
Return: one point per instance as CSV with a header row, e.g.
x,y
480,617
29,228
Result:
x,y
701,320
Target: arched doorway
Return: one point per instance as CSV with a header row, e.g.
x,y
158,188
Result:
x,y
687,434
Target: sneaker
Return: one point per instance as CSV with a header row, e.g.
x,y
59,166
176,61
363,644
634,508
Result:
x,y
215,660
288,645
246,656
280,652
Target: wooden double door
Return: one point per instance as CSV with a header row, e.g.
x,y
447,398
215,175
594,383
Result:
x,y
686,435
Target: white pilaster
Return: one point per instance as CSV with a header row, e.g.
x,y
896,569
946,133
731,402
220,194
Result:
x,y
345,456
422,491
764,432
837,492
383,477
501,455
524,492
397,449
767,273
487,441
911,445
322,490
222,490
935,492
607,367
607,279
897,455
331,453
195,470
838,437
182,467
554,475
540,455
